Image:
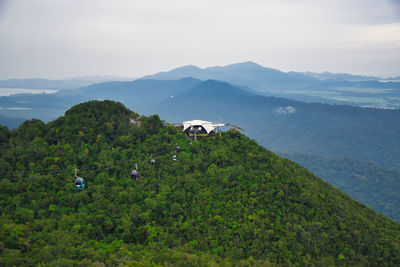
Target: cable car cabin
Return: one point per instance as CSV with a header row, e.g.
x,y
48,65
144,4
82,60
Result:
x,y
174,157
134,175
79,183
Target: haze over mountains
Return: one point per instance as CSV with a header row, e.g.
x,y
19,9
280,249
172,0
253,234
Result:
x,y
283,125
308,87
68,83
323,87
258,73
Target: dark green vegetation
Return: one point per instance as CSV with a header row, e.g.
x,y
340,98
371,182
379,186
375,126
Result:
x,y
363,134
375,186
226,200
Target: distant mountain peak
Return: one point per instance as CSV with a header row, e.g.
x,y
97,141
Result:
x,y
247,64
187,67
177,73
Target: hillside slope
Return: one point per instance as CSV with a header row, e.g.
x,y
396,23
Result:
x,y
373,185
225,200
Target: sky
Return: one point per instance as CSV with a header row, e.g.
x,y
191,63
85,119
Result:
x,y
131,38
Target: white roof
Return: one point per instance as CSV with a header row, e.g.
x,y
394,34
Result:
x,y
207,125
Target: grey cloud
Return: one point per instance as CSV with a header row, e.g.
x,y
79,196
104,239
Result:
x,y
396,7
55,39
3,6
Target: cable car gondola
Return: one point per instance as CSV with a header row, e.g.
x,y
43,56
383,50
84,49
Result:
x,y
134,173
79,183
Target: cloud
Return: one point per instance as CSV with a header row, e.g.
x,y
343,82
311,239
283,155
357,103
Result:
x,y
15,108
54,39
383,36
3,6
285,110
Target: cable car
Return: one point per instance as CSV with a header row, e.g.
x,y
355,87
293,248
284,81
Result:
x,y
79,183
134,173
174,157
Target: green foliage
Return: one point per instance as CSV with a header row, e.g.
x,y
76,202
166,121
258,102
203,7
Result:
x,y
373,185
224,201
152,124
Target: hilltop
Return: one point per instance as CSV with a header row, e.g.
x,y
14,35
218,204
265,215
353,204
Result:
x,y
225,200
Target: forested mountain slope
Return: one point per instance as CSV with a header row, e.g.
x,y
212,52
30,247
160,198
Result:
x,y
225,200
373,185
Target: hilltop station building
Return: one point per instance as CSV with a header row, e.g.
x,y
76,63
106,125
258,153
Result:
x,y
200,128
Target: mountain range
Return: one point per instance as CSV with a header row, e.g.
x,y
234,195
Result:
x,y
325,87
309,87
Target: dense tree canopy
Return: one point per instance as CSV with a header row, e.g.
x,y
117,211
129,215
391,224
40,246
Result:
x,y
373,185
225,200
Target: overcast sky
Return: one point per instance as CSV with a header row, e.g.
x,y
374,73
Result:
x,y
131,38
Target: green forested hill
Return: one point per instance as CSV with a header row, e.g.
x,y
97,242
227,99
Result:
x,y
374,185
225,200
